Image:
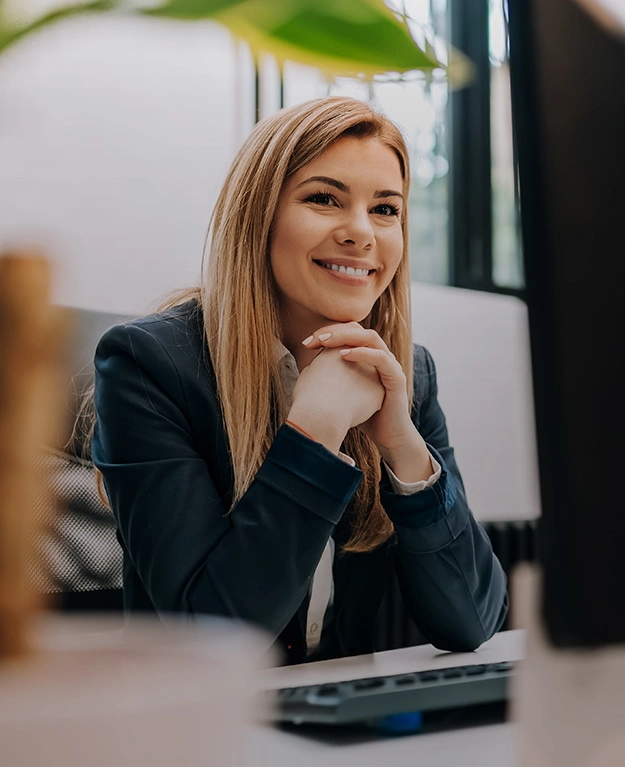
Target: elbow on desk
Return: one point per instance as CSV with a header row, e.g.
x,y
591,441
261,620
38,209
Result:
x,y
463,641
467,642
471,634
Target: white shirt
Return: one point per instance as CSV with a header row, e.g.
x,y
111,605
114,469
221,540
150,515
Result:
x,y
322,586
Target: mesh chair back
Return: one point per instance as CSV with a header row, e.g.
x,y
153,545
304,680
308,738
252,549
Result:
x,y
76,548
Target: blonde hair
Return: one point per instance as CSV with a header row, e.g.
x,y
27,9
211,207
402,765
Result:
x,y
239,302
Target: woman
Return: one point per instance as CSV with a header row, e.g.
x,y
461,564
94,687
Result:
x,y
272,446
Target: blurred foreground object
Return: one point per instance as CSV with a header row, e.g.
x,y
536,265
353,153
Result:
x,y
610,13
348,37
76,692
569,703
152,695
30,342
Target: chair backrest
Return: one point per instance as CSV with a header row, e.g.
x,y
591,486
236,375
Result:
x,y
77,556
480,344
86,327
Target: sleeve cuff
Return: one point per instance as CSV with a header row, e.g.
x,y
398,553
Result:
x,y
313,476
408,488
425,507
347,458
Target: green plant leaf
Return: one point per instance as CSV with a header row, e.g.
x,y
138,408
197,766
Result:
x,y
192,9
338,36
11,33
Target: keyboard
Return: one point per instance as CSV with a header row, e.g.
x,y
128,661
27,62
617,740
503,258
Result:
x,y
383,696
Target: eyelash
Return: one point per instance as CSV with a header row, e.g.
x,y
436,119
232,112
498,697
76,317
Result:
x,y
314,198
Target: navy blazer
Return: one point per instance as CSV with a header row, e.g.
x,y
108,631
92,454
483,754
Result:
x,y
160,444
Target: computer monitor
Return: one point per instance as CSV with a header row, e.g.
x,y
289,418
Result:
x,y
568,96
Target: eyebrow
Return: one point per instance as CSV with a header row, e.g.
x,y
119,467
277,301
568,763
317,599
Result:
x,y
344,188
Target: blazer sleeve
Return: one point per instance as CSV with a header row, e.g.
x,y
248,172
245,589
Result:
x,y
453,586
193,556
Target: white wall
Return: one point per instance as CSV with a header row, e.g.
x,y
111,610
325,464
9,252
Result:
x,y
115,135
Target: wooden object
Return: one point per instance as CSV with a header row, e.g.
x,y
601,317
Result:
x,y
30,338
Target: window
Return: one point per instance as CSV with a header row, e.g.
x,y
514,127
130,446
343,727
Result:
x,y
463,202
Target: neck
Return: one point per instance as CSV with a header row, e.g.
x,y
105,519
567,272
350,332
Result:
x,y
293,333
293,342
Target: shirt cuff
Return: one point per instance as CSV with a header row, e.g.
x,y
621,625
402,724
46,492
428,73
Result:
x,y
409,488
347,458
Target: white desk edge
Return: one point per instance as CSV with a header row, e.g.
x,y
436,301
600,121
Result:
x,y
506,645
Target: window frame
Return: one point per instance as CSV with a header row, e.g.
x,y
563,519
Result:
x,y
470,157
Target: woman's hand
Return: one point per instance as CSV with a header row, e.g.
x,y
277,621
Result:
x,y
389,426
331,396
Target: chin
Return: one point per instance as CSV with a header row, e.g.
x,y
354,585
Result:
x,y
340,314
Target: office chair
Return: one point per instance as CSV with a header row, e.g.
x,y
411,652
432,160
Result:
x,y
76,560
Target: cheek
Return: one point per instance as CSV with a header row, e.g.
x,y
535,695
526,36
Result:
x,y
300,230
284,251
394,251
279,246
278,264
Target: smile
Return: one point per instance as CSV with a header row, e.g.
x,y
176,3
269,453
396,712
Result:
x,y
348,270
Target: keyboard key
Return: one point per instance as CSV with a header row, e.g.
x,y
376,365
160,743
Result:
x,y
429,676
502,668
366,684
451,673
475,670
328,689
408,679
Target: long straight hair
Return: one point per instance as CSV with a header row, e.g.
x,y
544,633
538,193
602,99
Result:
x,y
240,305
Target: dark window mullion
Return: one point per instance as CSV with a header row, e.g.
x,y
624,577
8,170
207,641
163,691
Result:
x,y
256,64
470,215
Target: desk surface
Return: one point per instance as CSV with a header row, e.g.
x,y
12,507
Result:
x,y
268,746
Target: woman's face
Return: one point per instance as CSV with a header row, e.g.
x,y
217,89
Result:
x,y
336,237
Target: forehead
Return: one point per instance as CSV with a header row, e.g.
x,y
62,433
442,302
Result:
x,y
365,160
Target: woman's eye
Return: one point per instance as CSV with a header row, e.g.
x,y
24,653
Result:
x,y
386,210
320,198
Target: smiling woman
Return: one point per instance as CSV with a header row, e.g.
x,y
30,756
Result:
x,y
271,443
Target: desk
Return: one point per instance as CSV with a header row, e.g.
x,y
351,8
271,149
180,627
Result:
x,y
487,746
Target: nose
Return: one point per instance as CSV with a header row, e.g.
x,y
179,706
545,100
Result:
x,y
356,229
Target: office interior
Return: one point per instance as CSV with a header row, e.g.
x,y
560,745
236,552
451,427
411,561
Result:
x,y
115,137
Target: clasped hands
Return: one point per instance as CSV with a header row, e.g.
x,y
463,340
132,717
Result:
x,y
355,380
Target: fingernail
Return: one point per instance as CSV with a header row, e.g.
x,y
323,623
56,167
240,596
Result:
x,y
324,336
345,352
306,341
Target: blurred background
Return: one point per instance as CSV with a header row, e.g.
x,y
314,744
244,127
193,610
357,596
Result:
x,y
116,133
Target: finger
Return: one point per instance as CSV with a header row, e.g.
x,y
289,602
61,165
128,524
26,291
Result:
x,y
346,334
390,371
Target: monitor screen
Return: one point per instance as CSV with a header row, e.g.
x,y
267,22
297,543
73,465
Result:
x,y
568,96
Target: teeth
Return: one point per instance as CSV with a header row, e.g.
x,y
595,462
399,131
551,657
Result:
x,y
347,270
